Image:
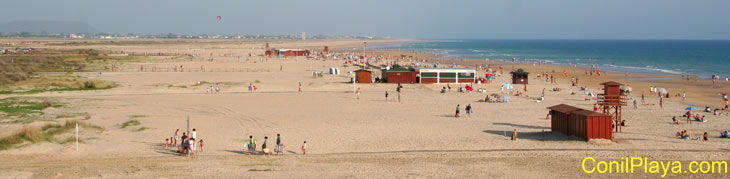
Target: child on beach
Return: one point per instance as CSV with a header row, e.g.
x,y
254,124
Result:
x,y
201,145
167,142
386,96
300,86
304,148
358,93
251,144
468,110
458,114
514,135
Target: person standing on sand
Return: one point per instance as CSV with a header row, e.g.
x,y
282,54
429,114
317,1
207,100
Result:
x,y
684,95
251,145
399,96
304,148
300,86
278,148
250,87
358,93
174,138
458,114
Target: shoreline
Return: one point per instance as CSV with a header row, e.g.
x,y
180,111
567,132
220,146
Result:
x,y
699,92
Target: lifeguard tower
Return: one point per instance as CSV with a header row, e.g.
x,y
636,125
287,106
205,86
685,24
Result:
x,y
611,101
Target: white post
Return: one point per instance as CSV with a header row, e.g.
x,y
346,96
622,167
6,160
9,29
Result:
x,y
354,85
188,126
77,136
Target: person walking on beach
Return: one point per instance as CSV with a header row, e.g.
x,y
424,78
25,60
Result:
x,y
194,134
300,86
358,93
458,114
304,148
386,96
684,95
250,87
661,103
543,92
636,106
468,110
642,99
399,96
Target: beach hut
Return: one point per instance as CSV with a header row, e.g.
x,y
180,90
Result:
x,y
560,115
590,125
399,75
363,76
519,76
446,75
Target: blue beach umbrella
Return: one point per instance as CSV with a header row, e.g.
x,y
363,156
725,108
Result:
x,y
690,108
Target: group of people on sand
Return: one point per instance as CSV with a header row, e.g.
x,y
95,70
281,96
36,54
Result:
x,y
188,145
685,135
458,110
252,88
278,148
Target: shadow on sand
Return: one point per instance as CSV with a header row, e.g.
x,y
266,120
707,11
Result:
x,y
520,125
541,136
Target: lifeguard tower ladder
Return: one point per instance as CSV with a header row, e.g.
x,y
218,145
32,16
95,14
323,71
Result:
x,y
612,100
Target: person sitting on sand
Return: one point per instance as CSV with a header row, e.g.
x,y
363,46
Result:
x,y
725,134
443,90
705,137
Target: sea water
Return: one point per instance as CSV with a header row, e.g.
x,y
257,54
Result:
x,y
691,57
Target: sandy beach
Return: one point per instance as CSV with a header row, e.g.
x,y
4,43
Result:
x,y
372,137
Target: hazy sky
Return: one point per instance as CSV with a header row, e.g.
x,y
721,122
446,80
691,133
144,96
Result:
x,y
428,19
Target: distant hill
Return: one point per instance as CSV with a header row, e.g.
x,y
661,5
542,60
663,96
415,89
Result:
x,y
38,26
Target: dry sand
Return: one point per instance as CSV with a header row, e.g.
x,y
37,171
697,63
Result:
x,y
347,138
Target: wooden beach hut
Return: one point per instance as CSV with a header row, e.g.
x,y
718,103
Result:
x,y
560,115
590,125
399,75
519,76
363,76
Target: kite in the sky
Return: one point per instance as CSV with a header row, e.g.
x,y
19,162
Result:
x,y
220,18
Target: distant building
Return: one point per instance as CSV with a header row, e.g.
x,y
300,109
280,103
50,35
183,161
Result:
x,y
287,52
446,75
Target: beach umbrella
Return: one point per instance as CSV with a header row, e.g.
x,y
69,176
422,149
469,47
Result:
x,y
690,108
662,90
508,86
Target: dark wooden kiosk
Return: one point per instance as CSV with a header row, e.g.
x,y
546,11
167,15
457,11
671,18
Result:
x,y
573,121
611,101
560,114
519,76
363,76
